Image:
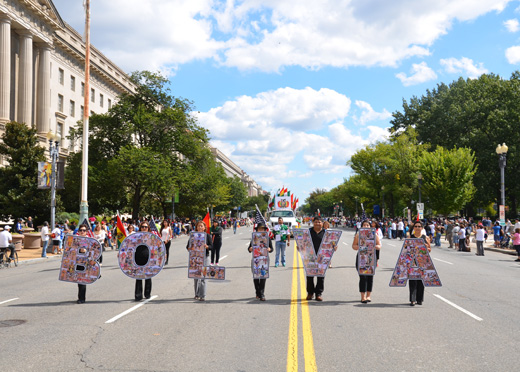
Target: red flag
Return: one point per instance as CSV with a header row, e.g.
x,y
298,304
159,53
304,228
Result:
x,y
120,230
207,222
292,196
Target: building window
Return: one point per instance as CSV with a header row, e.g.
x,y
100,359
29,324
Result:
x,y
92,95
59,131
61,76
101,100
60,103
109,103
73,83
72,108
82,89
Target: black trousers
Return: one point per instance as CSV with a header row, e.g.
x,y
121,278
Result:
x,y
259,287
215,252
82,292
315,289
462,244
167,246
416,290
139,289
365,283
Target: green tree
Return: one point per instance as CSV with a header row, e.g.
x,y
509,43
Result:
x,y
448,178
19,194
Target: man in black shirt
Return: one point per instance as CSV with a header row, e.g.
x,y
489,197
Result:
x,y
317,233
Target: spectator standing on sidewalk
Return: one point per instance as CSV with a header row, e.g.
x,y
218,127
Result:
x,y
400,229
516,243
283,238
449,233
456,229
6,241
479,238
394,230
497,230
45,238
462,238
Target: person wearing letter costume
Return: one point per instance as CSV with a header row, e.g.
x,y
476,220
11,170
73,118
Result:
x,y
200,284
317,233
141,258
366,281
416,287
260,283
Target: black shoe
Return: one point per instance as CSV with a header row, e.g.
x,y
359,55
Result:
x,y
412,303
137,299
80,301
419,302
147,297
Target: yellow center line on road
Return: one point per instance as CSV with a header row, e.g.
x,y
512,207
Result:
x,y
292,350
308,343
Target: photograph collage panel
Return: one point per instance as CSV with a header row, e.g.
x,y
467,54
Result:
x,y
414,262
307,253
79,263
197,253
260,255
367,259
328,246
214,272
156,258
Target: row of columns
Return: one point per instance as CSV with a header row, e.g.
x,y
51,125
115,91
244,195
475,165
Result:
x,y
25,79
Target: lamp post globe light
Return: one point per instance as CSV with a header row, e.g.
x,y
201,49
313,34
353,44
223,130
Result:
x,y
54,153
502,160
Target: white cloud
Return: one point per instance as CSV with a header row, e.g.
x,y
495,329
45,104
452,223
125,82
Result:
x,y
270,34
421,73
513,55
465,66
369,114
512,25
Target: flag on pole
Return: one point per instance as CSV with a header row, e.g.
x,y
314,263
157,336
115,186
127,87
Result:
x,y
120,231
153,227
89,228
207,222
259,218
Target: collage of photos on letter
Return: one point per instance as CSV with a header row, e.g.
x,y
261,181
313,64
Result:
x,y
157,255
327,248
197,253
260,255
414,262
367,259
306,249
79,263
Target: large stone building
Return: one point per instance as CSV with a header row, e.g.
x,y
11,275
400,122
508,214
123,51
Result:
x,y
231,169
42,64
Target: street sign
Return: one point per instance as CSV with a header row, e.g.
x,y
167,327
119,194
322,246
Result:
x,y
420,206
421,214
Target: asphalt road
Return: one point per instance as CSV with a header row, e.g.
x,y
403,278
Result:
x,y
469,324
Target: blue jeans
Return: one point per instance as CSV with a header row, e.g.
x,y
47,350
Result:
x,y
438,239
280,247
44,249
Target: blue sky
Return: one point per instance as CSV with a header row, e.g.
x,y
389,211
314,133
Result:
x,y
290,89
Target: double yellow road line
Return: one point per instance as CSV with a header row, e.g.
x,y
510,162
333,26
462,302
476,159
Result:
x,y
308,343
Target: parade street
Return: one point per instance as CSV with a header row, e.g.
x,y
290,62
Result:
x,y
468,324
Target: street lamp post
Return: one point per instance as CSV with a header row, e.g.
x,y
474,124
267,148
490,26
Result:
x,y
502,153
356,205
54,153
383,206
419,178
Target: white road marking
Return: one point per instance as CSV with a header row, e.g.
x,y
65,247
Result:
x,y
345,243
458,308
227,237
221,258
6,301
130,310
438,259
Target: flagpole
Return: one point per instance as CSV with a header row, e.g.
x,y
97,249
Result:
x,y
83,207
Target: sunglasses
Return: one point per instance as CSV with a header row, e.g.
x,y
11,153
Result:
x,y
143,227
82,230
417,227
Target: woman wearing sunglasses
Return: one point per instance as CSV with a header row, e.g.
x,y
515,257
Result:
x,y
416,286
141,258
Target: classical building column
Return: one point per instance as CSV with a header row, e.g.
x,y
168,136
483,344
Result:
x,y
25,79
44,90
5,69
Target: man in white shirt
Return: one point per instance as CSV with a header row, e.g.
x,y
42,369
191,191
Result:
x,y
45,238
6,240
517,224
400,229
394,230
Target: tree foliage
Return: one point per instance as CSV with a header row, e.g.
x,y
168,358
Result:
x,y
19,195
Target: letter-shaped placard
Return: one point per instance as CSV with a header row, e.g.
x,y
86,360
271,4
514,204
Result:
x,y
367,259
197,252
414,262
316,265
79,263
142,255
260,255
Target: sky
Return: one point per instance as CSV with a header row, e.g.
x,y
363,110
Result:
x,y
291,89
